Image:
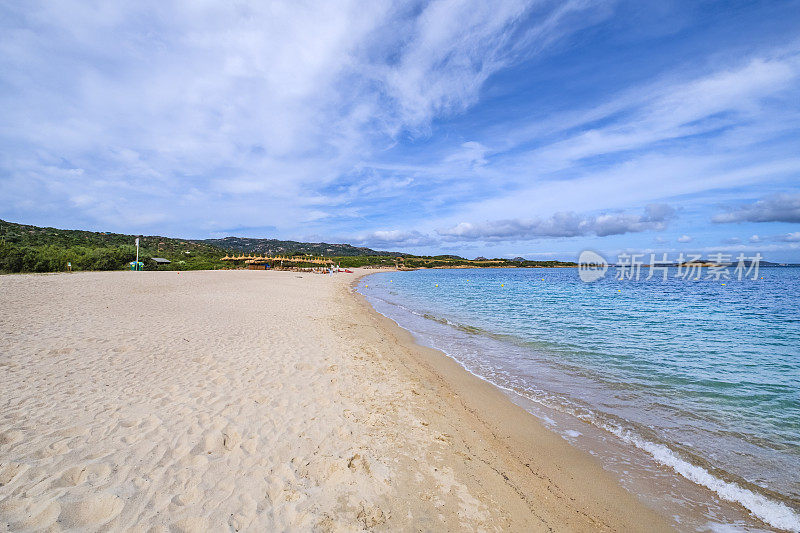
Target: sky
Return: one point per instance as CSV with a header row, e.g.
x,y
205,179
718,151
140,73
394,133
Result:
x,y
502,129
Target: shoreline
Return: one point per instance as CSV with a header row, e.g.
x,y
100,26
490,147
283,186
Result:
x,y
541,464
635,463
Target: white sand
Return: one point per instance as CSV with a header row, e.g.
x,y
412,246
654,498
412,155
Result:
x,y
250,400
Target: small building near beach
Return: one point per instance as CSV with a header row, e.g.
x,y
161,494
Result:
x,y
160,261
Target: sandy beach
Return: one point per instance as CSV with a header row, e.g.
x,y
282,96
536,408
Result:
x,y
251,401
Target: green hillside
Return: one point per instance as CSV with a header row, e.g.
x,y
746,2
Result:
x,y
26,248
278,247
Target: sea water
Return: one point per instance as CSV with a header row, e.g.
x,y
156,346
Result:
x,y
694,380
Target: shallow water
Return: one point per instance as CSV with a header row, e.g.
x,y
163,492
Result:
x,y
700,377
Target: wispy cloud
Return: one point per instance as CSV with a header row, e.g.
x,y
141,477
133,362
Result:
x,y
392,238
193,111
670,138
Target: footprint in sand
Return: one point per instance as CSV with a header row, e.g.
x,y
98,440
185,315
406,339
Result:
x,y
73,431
187,497
11,436
371,516
250,445
149,424
180,451
57,448
192,524
219,442
239,521
260,398
198,462
73,476
358,464
11,471
96,473
95,510
230,439
28,514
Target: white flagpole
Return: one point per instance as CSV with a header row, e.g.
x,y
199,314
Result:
x,y
137,252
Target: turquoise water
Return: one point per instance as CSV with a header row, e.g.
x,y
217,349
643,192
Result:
x,y
701,376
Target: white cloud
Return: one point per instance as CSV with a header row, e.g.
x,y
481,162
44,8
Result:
x,y
472,154
685,239
393,238
563,224
778,208
199,108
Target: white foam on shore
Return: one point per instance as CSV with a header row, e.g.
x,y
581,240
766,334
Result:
x,y
775,514
771,512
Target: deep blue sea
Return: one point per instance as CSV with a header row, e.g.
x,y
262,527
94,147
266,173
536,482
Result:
x,y
700,377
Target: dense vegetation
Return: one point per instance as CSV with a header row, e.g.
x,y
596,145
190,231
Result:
x,y
277,247
26,248
451,261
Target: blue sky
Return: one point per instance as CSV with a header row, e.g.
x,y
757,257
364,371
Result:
x,y
479,128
